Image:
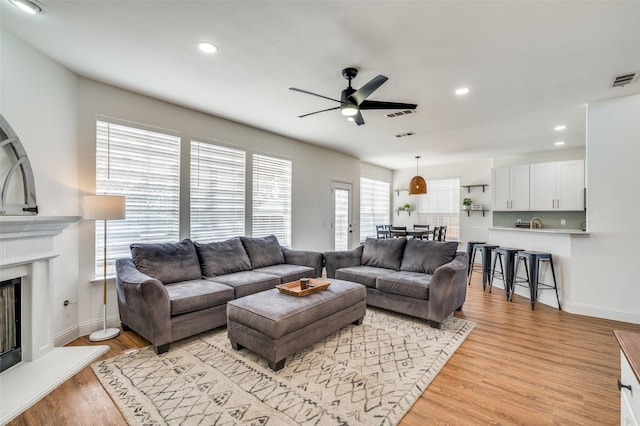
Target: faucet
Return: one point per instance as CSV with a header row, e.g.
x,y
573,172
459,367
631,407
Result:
x,y
536,222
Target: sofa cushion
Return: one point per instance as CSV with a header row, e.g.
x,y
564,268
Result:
x,y
263,251
385,253
191,296
403,283
223,257
167,262
427,256
287,272
365,275
247,282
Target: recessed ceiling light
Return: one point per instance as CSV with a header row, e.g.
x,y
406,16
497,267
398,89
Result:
x,y
207,47
462,91
559,127
31,7
559,143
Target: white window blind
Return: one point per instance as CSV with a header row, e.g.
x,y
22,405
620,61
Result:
x,y
217,192
441,206
144,166
272,198
374,206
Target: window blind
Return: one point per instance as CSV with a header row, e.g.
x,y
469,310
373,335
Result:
x,y
217,192
374,206
272,198
441,205
144,166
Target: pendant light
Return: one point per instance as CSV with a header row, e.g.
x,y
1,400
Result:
x,y
417,185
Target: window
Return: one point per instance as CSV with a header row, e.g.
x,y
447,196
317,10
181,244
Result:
x,y
272,198
374,206
144,166
217,192
441,206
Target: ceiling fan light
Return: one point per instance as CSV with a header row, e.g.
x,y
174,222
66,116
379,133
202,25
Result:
x,y
30,7
349,110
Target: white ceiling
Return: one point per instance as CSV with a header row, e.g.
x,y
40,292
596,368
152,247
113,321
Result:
x,y
530,66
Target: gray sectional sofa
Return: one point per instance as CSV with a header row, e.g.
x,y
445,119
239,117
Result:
x,y
424,279
170,291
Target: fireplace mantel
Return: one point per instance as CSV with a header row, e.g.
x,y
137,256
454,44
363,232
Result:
x,y
16,227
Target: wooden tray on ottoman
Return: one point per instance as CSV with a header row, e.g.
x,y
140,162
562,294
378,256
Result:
x,y
293,288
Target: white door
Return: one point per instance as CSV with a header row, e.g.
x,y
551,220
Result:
x,y
341,225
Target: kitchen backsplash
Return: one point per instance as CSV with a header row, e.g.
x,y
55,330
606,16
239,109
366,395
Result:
x,y
573,220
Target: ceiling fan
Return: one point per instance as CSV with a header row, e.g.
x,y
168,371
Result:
x,y
353,101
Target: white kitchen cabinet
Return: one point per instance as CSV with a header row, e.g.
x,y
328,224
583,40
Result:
x,y
557,186
511,188
629,384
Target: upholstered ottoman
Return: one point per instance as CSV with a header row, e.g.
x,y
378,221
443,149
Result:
x,y
276,325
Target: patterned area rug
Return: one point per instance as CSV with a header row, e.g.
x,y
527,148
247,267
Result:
x,y
369,374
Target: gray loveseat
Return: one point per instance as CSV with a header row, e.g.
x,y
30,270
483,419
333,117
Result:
x,y
170,291
424,279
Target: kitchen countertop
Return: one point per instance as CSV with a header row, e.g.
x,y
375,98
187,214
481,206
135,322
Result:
x,y
542,230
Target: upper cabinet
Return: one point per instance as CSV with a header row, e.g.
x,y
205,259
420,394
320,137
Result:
x,y
557,186
511,188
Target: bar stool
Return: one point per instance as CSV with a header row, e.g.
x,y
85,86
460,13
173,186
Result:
x,y
506,269
470,253
533,259
485,250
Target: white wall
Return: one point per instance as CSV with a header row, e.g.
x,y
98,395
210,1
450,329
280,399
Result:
x,y
605,266
472,228
540,157
38,99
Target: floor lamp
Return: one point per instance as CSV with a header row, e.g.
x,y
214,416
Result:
x,y
104,207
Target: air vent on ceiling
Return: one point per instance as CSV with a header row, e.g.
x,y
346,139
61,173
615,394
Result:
x,y
399,113
402,135
621,80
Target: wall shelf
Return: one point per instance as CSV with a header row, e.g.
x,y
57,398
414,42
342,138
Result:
x,y
474,186
469,211
397,191
403,210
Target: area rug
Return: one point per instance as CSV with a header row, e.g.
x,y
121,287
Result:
x,y
369,374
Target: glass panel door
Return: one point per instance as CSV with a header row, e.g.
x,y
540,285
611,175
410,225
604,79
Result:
x,y
341,216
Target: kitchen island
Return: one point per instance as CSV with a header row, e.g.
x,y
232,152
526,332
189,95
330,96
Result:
x,y
558,242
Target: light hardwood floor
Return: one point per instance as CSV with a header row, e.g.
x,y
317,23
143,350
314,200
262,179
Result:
x,y
517,366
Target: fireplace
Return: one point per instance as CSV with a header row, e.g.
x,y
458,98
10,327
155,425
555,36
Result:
x,y
10,345
27,255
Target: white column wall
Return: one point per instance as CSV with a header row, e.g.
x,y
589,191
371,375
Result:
x,y
605,266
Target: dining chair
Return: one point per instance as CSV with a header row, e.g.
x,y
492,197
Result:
x,y
381,232
422,228
398,231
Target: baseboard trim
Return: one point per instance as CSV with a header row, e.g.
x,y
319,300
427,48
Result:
x,y
603,312
84,329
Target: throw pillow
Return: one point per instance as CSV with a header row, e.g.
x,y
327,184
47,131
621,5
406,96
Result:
x,y
384,253
264,251
427,256
224,257
167,262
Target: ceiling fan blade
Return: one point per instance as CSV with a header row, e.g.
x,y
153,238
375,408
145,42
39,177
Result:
x,y
386,105
358,119
363,93
313,94
311,113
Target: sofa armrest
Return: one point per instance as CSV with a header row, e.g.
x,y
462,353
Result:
x,y
143,302
312,259
335,260
448,288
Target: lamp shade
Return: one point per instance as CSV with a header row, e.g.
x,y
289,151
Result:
x,y
417,185
106,207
